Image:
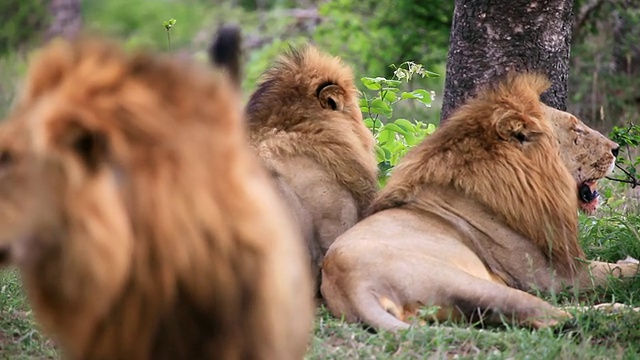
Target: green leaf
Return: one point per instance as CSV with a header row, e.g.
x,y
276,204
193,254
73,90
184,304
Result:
x,y
423,96
371,83
391,89
431,74
393,83
430,129
395,128
383,136
406,125
169,23
407,95
387,153
380,155
378,106
411,139
389,96
368,122
378,125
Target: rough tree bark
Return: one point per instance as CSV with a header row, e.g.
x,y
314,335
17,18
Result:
x,y
491,37
65,19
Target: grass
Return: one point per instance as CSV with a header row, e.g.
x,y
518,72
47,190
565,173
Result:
x,y
19,334
591,335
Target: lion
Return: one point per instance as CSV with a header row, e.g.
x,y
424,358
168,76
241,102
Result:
x,y
585,152
481,212
145,227
306,126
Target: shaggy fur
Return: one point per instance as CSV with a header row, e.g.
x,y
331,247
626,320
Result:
x,y
306,126
479,213
150,230
500,153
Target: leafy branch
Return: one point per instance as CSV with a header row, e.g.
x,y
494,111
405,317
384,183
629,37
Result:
x,y
627,137
394,137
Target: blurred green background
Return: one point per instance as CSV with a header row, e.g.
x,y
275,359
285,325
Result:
x,y
369,35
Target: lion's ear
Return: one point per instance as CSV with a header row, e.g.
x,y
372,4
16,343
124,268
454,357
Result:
x,y
514,127
331,96
89,145
225,51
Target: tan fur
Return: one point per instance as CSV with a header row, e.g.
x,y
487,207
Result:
x,y
148,231
586,153
307,128
479,213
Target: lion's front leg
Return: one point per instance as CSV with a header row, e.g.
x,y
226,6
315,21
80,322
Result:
x,y
600,272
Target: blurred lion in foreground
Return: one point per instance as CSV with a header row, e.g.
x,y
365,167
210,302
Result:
x,y
143,227
482,212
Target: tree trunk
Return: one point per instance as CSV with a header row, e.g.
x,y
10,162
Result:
x,y
66,18
490,38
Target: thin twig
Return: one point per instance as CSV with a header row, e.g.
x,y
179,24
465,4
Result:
x,y
632,179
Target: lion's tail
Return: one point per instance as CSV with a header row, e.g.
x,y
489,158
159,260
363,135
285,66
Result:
x,y
378,311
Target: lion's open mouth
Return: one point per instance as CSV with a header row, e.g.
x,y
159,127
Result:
x,y
588,196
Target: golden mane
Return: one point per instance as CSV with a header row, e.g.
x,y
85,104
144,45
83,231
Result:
x,y
155,233
309,97
500,150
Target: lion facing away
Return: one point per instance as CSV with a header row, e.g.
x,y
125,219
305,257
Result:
x,y
306,126
479,213
147,228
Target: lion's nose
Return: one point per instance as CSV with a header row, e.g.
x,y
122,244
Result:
x,y
615,151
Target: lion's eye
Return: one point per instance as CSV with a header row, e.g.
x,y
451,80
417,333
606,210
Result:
x,y
5,158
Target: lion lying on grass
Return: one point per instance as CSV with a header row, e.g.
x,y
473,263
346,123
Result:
x,y
480,212
146,229
306,126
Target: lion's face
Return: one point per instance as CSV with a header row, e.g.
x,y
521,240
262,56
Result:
x,y
588,155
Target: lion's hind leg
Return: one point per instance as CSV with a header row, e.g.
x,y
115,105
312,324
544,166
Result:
x,y
496,303
480,299
461,295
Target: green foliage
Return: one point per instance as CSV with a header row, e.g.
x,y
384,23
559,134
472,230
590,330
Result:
x,y
262,5
379,32
260,59
370,34
137,22
605,63
627,137
394,137
22,22
11,65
